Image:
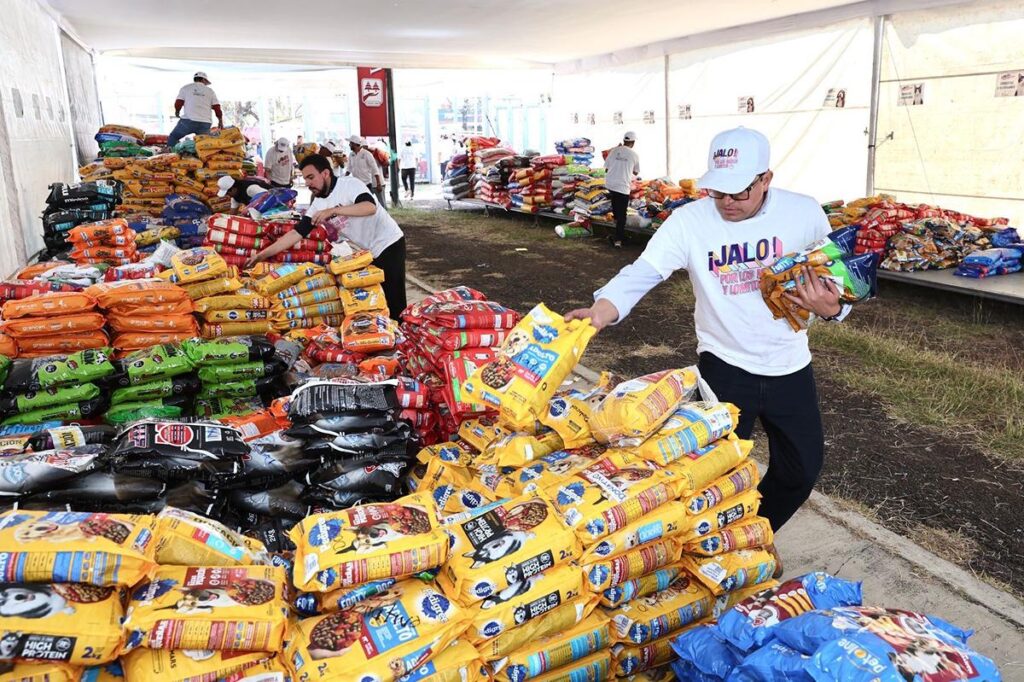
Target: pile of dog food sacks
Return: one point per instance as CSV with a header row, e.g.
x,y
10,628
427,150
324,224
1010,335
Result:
x,y
920,237
363,501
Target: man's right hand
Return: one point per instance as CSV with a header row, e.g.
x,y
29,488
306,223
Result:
x,y
601,314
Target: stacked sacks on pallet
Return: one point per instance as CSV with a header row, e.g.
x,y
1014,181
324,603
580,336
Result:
x,y
55,389
52,323
592,200
109,242
225,306
303,296
578,150
456,183
146,312
531,188
68,206
188,214
238,375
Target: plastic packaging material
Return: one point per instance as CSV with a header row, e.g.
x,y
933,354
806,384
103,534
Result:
x,y
187,539
39,471
318,399
180,451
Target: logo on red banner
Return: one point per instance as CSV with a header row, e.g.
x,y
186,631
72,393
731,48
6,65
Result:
x,y
373,99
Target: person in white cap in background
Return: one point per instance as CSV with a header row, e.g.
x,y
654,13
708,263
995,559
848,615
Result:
x,y
279,162
622,165
241,191
192,109
748,358
364,167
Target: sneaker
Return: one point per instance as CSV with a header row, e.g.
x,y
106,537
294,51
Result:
x,y
615,243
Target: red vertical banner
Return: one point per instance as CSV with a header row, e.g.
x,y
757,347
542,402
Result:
x,y
373,102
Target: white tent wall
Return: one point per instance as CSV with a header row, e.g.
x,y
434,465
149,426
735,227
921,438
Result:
x,y
817,148
636,91
84,100
37,134
962,148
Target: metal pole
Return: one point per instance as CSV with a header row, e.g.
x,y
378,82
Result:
x,y
392,138
876,80
668,126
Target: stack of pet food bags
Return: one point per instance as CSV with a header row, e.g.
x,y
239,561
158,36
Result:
x,y
991,262
449,336
238,375
577,150
485,173
478,149
565,186
302,295
663,196
222,154
236,238
362,299
592,200
147,182
531,188
365,576
109,242
814,627
188,214
52,323
855,276
491,185
56,388
937,243
68,206
456,183
120,141
155,382
146,312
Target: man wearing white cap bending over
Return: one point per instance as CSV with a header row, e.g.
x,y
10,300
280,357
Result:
x,y
622,165
747,357
278,163
364,167
241,191
197,99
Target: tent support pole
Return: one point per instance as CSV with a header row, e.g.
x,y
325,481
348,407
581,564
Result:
x,y
392,139
668,125
876,80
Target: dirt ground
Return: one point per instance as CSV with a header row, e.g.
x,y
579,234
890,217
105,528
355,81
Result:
x,y
921,391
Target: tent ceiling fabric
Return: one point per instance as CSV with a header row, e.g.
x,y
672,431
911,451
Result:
x,y
407,33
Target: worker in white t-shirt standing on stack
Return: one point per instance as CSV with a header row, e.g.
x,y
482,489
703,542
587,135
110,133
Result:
x,y
192,109
748,358
279,163
622,165
364,167
407,160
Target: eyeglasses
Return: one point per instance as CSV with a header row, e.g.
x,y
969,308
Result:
x,y
736,196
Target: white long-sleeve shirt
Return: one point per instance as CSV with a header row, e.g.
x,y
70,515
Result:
x,y
724,261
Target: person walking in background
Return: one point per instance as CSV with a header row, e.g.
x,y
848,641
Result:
x,y
364,167
192,109
407,160
622,165
278,163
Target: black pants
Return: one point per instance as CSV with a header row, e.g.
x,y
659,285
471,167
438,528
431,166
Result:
x,y
620,202
392,262
281,184
788,409
409,180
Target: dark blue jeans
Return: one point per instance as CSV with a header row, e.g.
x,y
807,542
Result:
x,y
187,126
788,409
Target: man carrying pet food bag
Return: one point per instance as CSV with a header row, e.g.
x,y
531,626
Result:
x,y
748,358
368,225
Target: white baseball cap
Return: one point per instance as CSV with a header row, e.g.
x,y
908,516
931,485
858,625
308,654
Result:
x,y
201,74
355,139
735,158
630,136
225,183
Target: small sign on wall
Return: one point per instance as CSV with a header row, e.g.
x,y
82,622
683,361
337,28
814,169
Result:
x,y
835,98
685,112
1010,84
745,105
911,95
617,118
649,116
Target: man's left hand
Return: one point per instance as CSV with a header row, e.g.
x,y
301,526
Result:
x,y
816,294
320,217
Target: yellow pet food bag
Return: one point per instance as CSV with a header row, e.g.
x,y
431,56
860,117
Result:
x,y
239,300
505,547
693,426
551,470
753,532
328,293
187,539
534,360
482,431
609,495
237,315
516,450
635,409
455,490
210,607
729,511
357,260
195,265
733,570
593,668
664,522
663,613
383,637
630,659
317,282
363,300
219,330
555,651
69,623
639,562
212,287
559,619
188,665
284,276
76,547
741,479
569,412
702,467
460,662
643,586
456,453
361,279
368,542
41,672
663,673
